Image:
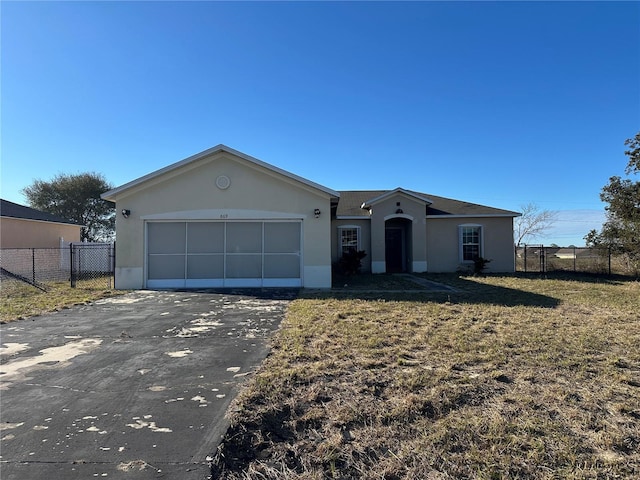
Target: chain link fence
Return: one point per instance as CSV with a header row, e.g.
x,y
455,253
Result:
x,y
83,264
538,258
92,264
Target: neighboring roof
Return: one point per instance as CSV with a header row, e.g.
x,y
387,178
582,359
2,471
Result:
x,y
14,210
112,194
351,201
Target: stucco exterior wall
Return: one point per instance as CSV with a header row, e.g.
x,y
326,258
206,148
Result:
x,y
443,243
23,233
413,210
191,193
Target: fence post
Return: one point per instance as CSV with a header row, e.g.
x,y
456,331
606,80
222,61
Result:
x,y
72,269
609,260
574,259
33,265
525,258
113,263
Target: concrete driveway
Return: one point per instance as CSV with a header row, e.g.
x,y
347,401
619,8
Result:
x,y
130,387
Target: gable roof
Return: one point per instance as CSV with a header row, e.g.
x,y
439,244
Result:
x,y
112,194
351,202
390,193
14,210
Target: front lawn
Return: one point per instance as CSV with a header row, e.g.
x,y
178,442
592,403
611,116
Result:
x,y
509,377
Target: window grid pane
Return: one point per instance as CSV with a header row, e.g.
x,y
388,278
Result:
x,y
470,243
348,239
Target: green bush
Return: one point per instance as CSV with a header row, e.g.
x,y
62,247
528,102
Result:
x,y
351,262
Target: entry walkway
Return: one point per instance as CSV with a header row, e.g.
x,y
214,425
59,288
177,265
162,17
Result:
x,y
427,284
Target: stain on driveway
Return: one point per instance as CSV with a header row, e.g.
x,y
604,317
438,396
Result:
x,y
134,386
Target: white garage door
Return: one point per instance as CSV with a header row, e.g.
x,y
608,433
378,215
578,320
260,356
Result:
x,y
223,254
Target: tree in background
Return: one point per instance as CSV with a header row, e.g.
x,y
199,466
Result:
x,y
621,231
532,223
77,198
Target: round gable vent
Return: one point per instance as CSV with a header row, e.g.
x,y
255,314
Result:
x,y
223,182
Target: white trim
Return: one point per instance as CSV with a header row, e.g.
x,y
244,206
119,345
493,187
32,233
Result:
x,y
243,282
111,195
398,215
419,266
203,283
170,283
378,266
479,215
223,215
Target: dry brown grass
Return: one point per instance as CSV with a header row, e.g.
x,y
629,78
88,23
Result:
x,y
512,377
19,300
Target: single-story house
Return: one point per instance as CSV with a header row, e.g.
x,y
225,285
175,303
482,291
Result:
x,y
26,227
222,218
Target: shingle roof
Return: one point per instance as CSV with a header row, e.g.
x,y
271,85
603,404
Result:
x,y
351,201
14,210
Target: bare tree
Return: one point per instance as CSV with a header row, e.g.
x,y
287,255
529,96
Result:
x,y
532,223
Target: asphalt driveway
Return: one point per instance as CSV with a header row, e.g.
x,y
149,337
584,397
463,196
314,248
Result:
x,y
134,386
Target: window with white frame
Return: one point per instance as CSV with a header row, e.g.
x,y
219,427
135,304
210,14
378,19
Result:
x,y
348,239
470,242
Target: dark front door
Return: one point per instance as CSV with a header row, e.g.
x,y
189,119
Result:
x,y
393,243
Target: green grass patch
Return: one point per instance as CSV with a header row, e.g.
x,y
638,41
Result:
x,y
509,377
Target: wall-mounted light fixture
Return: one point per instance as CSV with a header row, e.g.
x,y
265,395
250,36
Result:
x,y
399,210
126,212
316,212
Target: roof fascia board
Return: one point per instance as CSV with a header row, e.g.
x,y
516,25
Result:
x,y
42,221
112,195
478,215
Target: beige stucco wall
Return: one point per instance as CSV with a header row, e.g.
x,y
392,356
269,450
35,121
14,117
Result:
x,y
190,192
22,233
413,210
443,244
365,239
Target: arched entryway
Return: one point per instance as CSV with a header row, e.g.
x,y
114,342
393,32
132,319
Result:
x,y
397,245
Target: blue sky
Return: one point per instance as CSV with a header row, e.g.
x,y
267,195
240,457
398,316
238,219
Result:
x,y
501,103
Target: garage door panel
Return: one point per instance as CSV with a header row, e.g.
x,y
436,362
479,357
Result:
x,y
282,237
205,237
282,266
244,237
205,266
166,237
244,266
166,267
